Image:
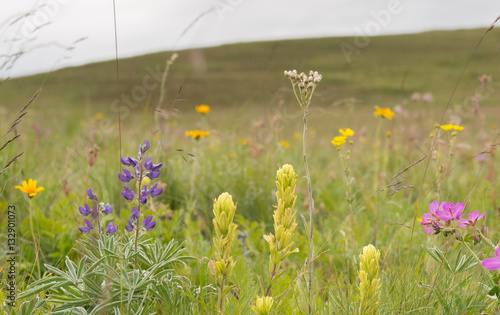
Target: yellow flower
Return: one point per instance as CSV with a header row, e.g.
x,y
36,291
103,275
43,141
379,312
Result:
x,y
388,134
98,116
346,133
203,109
30,188
243,141
448,127
197,134
338,141
384,112
285,144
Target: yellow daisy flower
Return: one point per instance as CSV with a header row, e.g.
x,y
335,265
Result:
x,y
338,141
197,134
346,133
30,188
285,144
203,109
383,112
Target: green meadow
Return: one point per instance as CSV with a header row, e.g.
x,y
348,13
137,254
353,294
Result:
x,y
373,188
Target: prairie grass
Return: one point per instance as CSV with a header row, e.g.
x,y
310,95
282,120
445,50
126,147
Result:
x,y
252,111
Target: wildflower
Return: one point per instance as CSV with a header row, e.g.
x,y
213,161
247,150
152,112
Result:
x,y
130,226
147,224
263,305
243,141
85,211
383,112
88,226
128,194
30,188
369,287
126,176
451,211
110,229
107,209
431,219
338,141
197,134
473,218
224,210
284,144
346,133
492,263
91,154
449,127
485,78
203,109
145,171
388,134
91,195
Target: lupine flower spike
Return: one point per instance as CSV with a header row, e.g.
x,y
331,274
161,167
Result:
x,y
96,211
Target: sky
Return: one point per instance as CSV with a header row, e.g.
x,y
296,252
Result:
x,y
43,35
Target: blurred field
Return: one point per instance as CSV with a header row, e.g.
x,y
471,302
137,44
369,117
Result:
x,y
255,126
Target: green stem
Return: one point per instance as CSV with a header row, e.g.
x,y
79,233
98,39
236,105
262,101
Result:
x,y
139,192
479,261
311,208
35,242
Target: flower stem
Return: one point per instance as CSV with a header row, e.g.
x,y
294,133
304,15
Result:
x,y
270,280
311,207
139,192
479,261
35,242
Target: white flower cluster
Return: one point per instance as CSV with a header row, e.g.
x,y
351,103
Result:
x,y
305,83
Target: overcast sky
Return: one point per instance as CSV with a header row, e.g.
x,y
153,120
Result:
x,y
44,29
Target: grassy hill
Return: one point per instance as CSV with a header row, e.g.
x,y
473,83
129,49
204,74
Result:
x,y
388,70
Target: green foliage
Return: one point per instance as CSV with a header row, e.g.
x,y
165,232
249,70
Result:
x,y
104,279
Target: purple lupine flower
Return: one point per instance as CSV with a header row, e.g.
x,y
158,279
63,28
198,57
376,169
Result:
x,y
145,147
126,176
148,164
137,172
451,211
88,226
95,212
134,214
153,192
107,209
130,226
492,263
128,194
156,167
85,211
144,199
91,195
473,218
125,161
153,175
147,224
110,229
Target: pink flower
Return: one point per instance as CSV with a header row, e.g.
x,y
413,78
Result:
x,y
431,219
450,211
473,218
492,263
